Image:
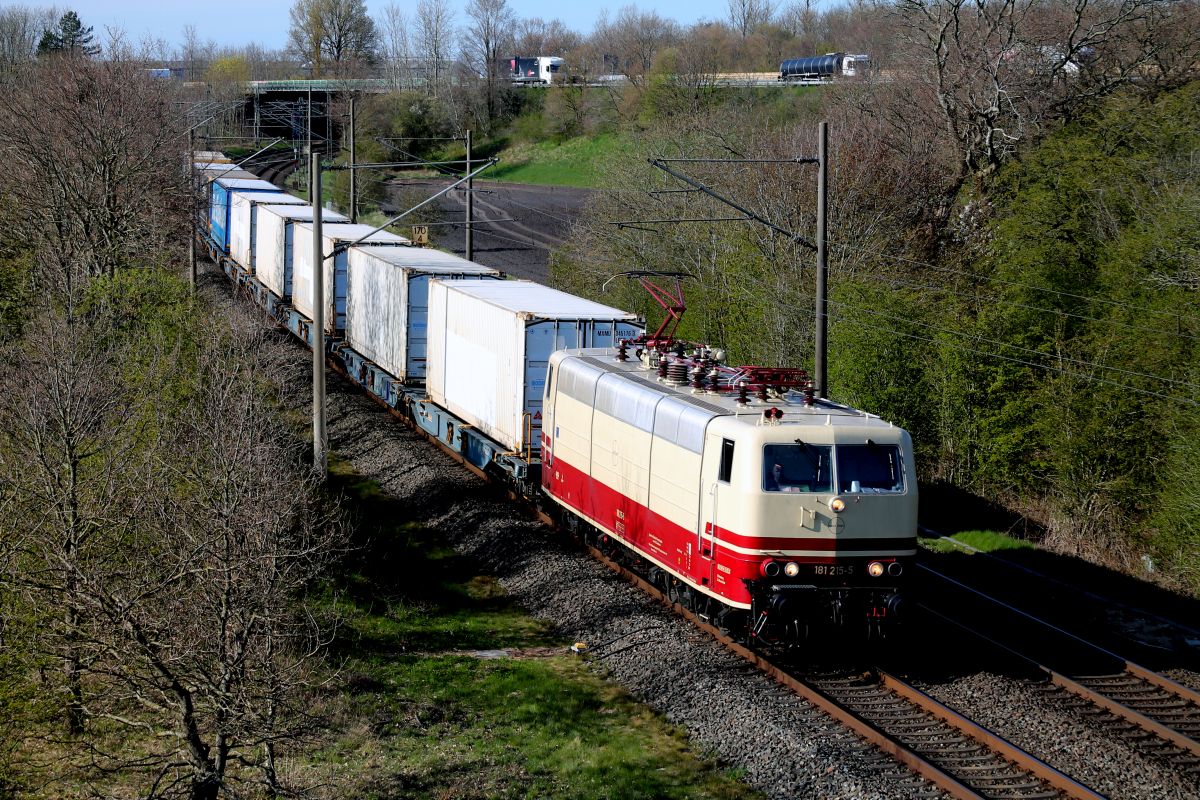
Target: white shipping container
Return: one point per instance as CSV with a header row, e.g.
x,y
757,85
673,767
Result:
x,y
388,302
490,344
243,221
221,172
273,240
219,200
335,267
210,156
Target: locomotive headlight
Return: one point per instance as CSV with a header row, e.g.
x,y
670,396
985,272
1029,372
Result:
x,y
791,569
837,504
875,569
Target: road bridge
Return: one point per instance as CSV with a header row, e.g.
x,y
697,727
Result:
x,y
326,85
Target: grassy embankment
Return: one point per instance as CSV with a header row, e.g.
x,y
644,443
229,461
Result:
x,y
976,541
573,162
427,713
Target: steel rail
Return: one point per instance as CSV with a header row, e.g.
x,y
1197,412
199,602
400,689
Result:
x,y
1180,740
1063,783
1163,682
864,729
1097,698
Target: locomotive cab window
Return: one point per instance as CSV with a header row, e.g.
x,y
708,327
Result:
x,y
797,467
725,471
549,381
869,468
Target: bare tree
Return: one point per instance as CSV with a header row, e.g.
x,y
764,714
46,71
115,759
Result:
x,y
219,634
435,32
799,17
92,160
747,15
21,28
338,36
484,42
1000,70
397,49
169,547
634,38
537,37
66,454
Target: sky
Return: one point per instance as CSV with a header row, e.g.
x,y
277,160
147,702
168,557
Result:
x,y
238,22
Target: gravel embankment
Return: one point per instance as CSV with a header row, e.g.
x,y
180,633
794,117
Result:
x,y
1054,727
784,747
1184,677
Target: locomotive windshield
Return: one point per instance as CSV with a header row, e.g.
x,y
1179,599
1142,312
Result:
x,y
861,468
797,468
869,468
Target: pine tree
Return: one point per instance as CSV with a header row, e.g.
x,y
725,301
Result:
x,y
72,37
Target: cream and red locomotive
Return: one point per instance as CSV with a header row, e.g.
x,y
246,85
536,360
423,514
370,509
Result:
x,y
763,509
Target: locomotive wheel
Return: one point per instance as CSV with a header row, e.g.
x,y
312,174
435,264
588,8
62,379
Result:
x,y
726,620
686,598
656,578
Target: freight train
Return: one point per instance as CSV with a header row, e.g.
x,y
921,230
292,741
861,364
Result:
x,y
766,510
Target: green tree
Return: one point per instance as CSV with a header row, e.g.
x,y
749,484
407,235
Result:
x,y
333,36
72,37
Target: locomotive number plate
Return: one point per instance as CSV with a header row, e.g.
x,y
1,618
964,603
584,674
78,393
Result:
x,y
832,570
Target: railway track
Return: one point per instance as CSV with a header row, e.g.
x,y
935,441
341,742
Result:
x,y
273,167
1144,706
1135,623
973,761
941,746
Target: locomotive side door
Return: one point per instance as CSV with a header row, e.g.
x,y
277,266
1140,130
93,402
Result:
x,y
716,473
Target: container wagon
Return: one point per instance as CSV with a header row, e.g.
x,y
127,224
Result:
x,y
489,346
388,303
335,238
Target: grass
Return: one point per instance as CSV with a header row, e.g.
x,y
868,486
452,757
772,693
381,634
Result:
x,y
574,162
983,541
426,714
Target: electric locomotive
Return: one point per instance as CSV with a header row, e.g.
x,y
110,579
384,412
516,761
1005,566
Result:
x,y
768,511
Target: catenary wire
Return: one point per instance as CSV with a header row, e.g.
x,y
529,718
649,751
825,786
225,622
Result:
x,y
1046,367
1033,287
1027,307
1030,351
